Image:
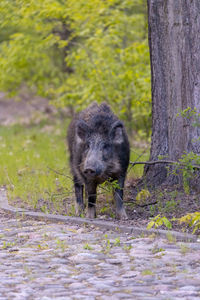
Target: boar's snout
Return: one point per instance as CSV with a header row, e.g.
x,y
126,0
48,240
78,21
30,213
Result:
x,y
93,170
89,172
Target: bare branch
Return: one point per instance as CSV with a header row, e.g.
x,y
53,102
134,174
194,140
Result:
x,y
162,162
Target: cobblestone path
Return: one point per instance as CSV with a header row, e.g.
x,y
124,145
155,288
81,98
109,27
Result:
x,y
43,261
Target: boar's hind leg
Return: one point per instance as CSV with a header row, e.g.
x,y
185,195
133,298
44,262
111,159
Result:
x,y
91,193
79,196
118,196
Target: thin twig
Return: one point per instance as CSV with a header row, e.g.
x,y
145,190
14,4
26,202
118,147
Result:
x,y
59,173
140,155
161,162
147,204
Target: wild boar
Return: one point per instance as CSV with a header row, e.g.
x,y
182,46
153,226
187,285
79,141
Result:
x,y
99,151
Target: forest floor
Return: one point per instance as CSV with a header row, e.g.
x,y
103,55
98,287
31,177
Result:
x,y
169,202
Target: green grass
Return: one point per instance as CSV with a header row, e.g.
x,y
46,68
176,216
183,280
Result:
x,y
138,154
28,157
34,164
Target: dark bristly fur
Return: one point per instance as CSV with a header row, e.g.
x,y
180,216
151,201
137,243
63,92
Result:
x,y
99,151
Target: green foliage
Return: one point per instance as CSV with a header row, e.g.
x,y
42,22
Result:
x,y
108,185
159,221
186,165
189,162
192,219
142,196
117,242
189,114
87,247
156,249
61,245
106,245
75,52
165,207
147,272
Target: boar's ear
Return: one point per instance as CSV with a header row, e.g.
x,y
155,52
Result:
x,y
116,133
82,130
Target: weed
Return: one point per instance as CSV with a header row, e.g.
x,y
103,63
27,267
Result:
x,y
117,242
171,238
27,270
193,220
184,249
72,211
147,272
42,247
142,196
156,249
159,221
7,245
187,164
106,244
61,245
133,238
127,247
87,247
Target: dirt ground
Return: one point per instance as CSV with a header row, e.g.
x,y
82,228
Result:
x,y
170,202
24,110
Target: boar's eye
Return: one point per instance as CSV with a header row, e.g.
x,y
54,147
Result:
x,y
87,146
106,150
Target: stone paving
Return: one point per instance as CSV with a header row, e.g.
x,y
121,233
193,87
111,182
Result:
x,y
46,260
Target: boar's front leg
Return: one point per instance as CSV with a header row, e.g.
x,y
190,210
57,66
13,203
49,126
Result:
x,y
91,192
79,196
118,196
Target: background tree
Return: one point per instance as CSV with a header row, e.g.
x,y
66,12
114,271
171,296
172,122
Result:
x,y
75,52
174,28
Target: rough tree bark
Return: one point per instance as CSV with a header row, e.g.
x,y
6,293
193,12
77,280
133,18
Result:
x,y
174,42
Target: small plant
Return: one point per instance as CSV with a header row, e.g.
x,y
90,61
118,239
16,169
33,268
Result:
x,y
142,196
61,245
87,247
159,221
117,242
171,205
192,219
109,185
186,166
184,249
72,211
189,114
104,209
44,209
171,238
127,247
42,247
188,162
106,244
147,272
156,249
7,244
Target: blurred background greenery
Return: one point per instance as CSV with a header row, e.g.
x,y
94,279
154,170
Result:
x,y
74,52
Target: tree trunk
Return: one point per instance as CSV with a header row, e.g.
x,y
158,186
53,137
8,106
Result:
x,y
174,42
